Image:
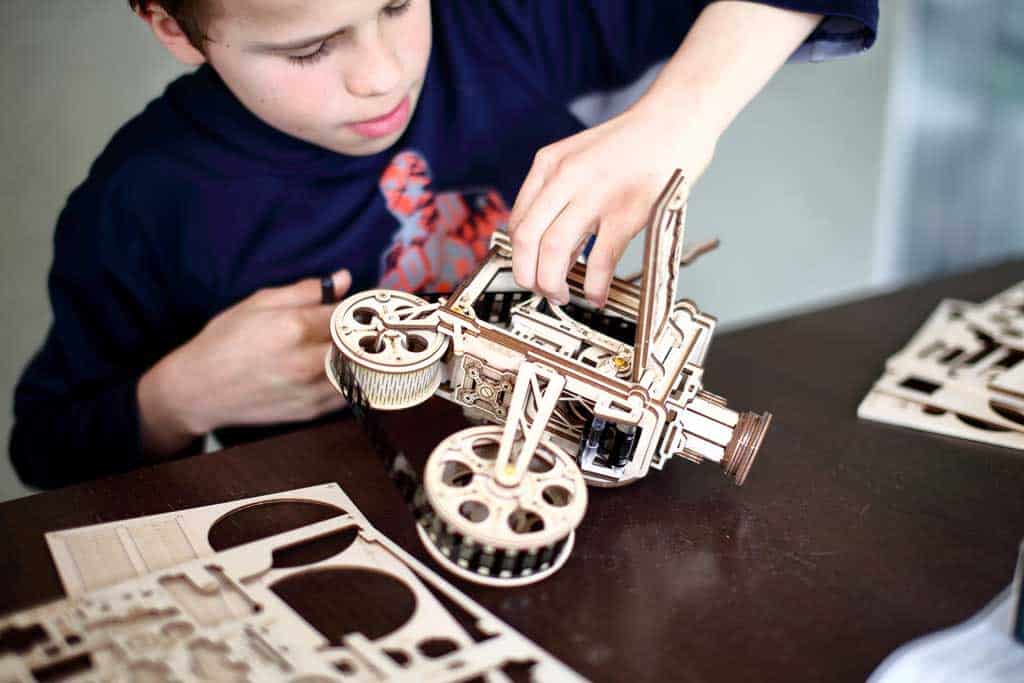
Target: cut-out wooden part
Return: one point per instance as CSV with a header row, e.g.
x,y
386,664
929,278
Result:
x,y
338,602
621,388
105,554
1002,317
248,523
376,614
901,412
953,366
955,377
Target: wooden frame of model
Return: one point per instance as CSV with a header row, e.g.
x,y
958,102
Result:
x,y
620,389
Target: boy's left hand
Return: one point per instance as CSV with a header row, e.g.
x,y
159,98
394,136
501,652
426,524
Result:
x,y
601,181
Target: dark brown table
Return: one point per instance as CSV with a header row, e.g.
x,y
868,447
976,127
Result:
x,y
849,539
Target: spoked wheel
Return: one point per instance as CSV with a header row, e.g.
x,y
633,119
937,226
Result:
x,y
493,534
396,367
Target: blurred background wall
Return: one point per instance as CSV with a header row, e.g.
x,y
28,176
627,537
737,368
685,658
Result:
x,y
816,191
71,72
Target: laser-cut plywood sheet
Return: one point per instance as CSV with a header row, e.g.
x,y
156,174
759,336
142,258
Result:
x,y
329,601
102,555
956,376
1002,316
900,412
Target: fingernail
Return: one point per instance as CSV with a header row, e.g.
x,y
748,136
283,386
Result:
x,y
333,287
342,279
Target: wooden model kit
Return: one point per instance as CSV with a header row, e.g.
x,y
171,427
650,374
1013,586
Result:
x,y
958,375
1002,316
569,396
291,607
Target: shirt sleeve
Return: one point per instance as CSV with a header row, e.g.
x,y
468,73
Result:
x,y
584,46
76,412
848,27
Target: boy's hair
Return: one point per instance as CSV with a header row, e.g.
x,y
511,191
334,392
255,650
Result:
x,y
190,15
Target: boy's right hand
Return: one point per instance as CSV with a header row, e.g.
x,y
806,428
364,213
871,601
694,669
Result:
x,y
259,362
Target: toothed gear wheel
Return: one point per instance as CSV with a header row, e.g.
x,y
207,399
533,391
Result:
x,y
396,368
495,534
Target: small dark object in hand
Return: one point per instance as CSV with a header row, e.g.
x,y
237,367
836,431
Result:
x,y
327,295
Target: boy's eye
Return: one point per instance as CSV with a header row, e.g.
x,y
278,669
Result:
x,y
392,9
395,8
311,57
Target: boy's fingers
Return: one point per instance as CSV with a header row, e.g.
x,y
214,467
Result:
x,y
333,288
526,239
305,292
608,249
533,184
313,361
558,246
317,321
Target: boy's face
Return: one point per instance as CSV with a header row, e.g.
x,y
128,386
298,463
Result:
x,y
344,74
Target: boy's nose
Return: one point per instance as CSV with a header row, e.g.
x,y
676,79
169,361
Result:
x,y
374,69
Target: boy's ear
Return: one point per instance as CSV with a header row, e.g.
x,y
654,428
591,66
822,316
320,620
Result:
x,y
169,33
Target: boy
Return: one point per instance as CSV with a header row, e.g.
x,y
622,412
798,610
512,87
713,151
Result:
x,y
322,146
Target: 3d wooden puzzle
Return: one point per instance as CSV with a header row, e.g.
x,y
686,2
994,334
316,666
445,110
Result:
x,y
569,396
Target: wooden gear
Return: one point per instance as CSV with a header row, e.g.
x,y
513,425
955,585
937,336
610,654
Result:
x,y
620,389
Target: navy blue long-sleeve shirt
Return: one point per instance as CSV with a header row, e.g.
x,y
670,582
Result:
x,y
196,203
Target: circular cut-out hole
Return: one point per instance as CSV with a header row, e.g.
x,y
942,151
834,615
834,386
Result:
x,y
399,657
474,511
981,424
488,450
253,522
371,344
455,473
334,601
437,647
559,496
1007,412
315,550
525,521
345,666
364,316
539,465
415,343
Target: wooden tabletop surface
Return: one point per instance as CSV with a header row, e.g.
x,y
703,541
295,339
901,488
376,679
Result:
x,y
849,538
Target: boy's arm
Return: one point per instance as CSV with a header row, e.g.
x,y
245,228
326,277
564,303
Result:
x,y
604,180
112,292
118,382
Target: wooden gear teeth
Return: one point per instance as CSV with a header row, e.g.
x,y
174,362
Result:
x,y
530,559
498,534
397,366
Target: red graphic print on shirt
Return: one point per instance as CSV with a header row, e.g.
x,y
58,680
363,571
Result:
x,y
441,236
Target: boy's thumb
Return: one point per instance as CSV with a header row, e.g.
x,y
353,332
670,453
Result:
x,y
333,288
